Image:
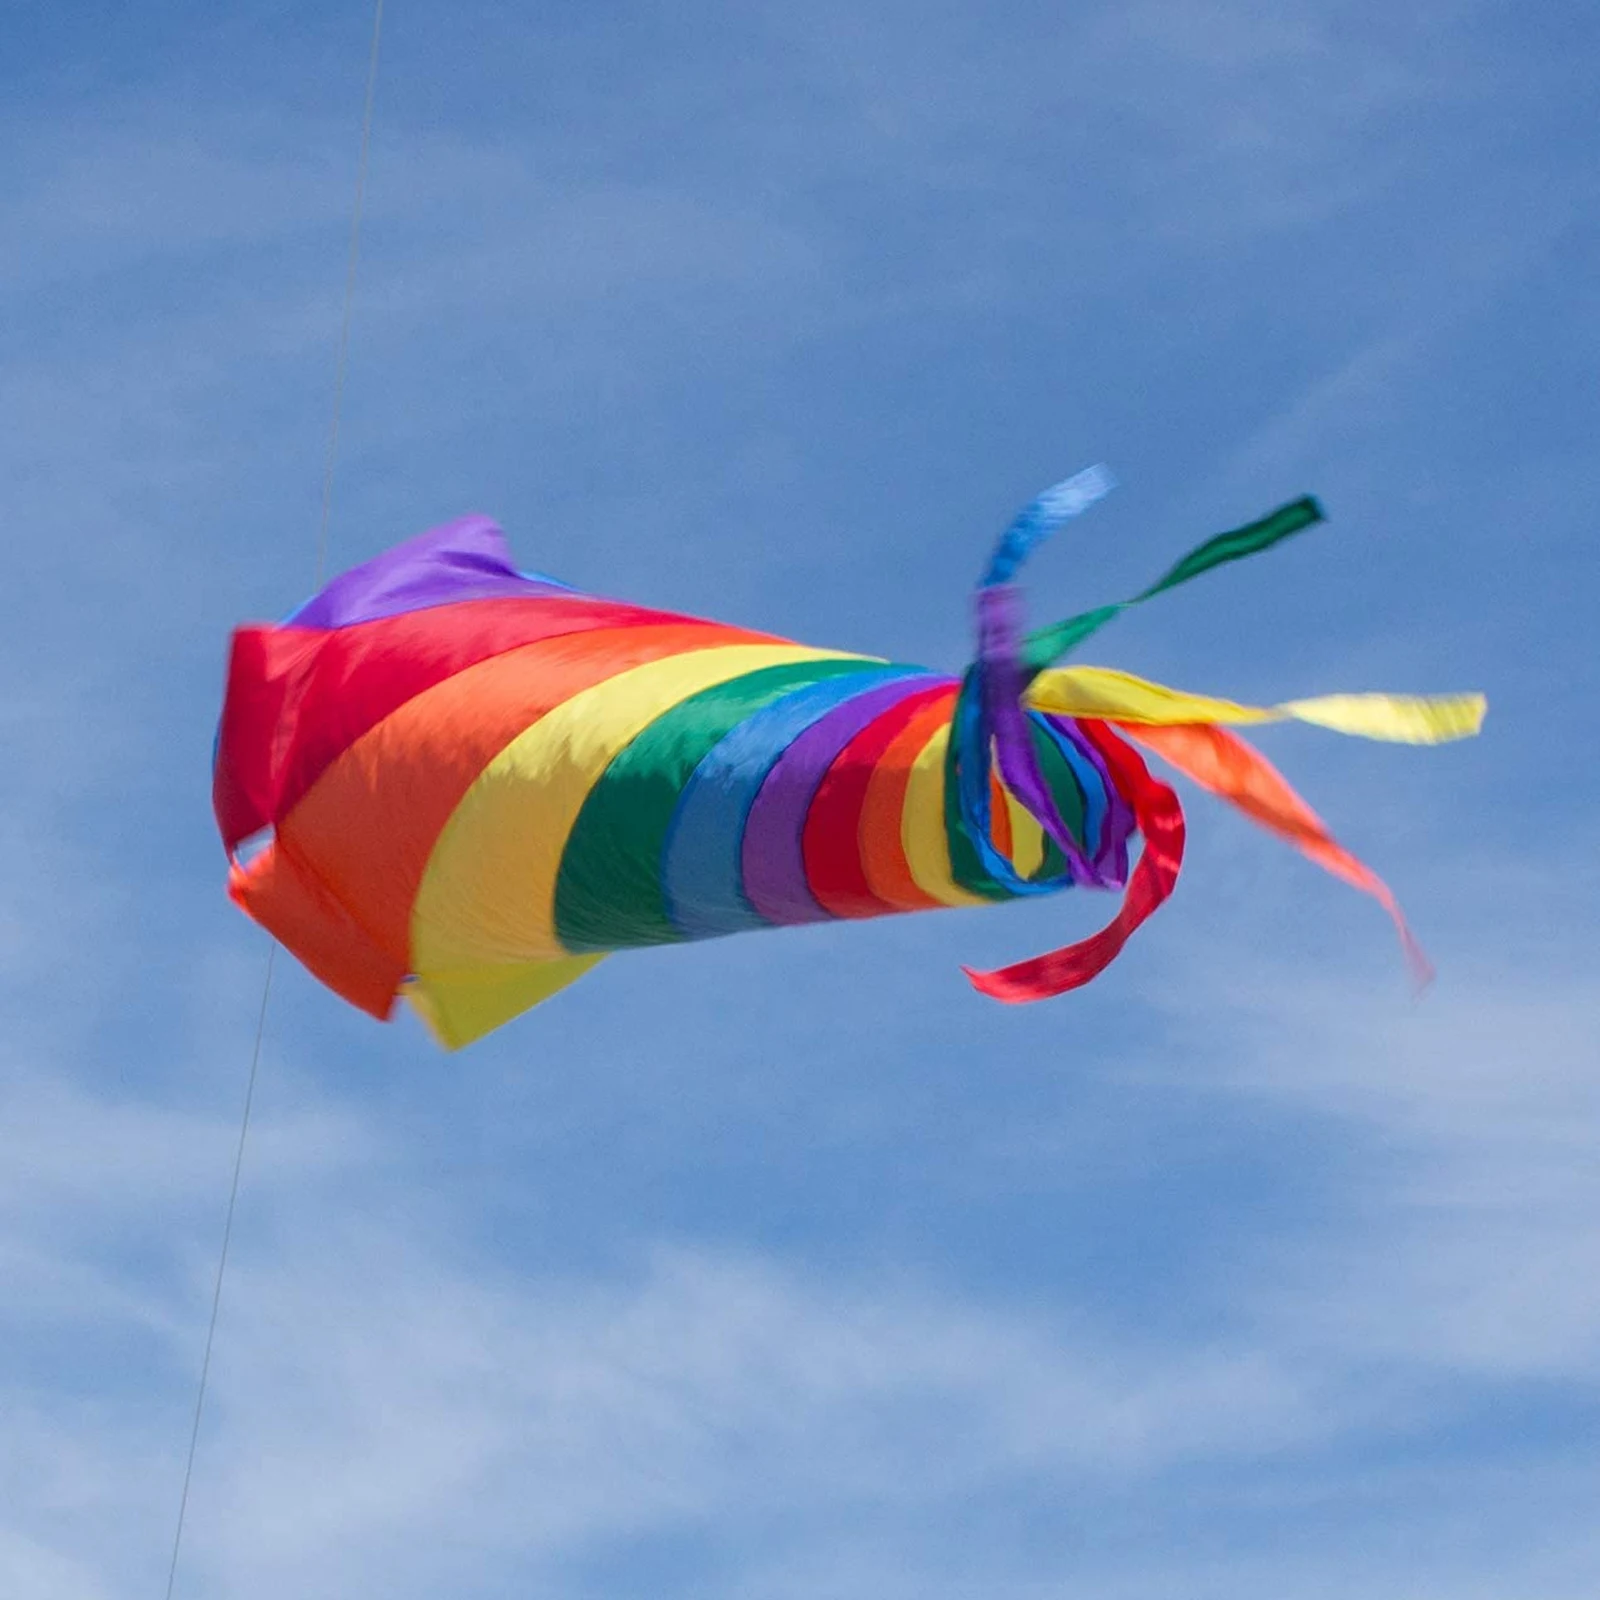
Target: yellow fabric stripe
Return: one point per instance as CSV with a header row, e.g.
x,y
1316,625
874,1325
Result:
x,y
460,1007
1120,697
1027,837
922,831
1403,719
1114,696
488,895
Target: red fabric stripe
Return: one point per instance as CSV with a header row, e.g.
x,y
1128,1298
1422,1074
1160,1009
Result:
x,y
298,698
835,852
265,667
1160,820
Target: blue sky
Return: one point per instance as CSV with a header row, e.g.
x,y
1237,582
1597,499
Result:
x,y
789,1267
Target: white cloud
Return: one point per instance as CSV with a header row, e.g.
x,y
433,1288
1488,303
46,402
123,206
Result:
x,y
397,1403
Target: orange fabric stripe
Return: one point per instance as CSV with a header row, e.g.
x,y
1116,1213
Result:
x,y
882,852
999,816
289,901
370,822
1223,763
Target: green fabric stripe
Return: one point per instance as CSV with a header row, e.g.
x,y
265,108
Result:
x,y
1247,541
608,891
966,865
1047,645
1050,644
1063,782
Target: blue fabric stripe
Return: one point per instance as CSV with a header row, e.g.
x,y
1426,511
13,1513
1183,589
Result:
x,y
1091,783
1042,516
701,877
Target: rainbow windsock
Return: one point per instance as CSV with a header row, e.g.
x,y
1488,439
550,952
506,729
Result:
x,y
450,780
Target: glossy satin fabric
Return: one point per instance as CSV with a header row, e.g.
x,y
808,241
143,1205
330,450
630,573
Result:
x,y
474,783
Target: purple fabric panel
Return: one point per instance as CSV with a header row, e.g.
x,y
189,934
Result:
x,y
1111,855
1004,683
467,559
773,855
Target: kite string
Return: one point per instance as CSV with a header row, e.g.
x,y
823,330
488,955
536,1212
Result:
x,y
349,296
330,464
222,1264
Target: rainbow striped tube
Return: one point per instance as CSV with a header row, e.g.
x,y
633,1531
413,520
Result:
x,y
449,780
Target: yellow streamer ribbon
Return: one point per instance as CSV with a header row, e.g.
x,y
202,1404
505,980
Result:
x,y
1112,696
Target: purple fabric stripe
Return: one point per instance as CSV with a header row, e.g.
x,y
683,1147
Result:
x,y
467,559
1003,681
1111,855
773,854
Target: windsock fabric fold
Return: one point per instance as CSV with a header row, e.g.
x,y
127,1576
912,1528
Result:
x,y
445,779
